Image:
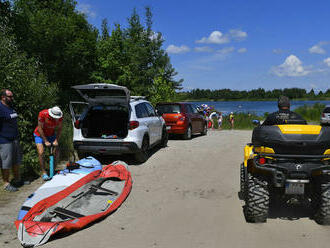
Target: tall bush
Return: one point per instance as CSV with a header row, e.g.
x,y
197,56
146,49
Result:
x,y
311,113
29,85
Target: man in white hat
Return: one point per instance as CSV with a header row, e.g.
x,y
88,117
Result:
x,y
44,133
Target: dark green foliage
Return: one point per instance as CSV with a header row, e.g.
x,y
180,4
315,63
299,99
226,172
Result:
x,y
60,37
133,57
65,142
255,94
32,93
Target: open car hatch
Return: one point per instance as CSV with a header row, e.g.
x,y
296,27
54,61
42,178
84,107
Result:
x,y
104,93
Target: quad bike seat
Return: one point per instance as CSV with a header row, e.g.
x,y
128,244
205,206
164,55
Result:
x,y
295,139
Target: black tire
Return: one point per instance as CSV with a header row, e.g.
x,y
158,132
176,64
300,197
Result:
x,y
187,135
241,193
256,200
142,155
164,140
322,203
204,132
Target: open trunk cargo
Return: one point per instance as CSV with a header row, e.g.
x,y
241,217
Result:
x,y
105,122
108,112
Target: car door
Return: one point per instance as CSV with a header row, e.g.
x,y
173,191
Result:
x,y
197,125
155,124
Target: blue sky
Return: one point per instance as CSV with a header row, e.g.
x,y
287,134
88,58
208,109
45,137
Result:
x,y
236,44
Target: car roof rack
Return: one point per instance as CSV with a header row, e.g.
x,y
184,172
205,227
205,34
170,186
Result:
x,y
136,98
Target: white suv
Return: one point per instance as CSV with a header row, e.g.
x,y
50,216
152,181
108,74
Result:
x,y
325,117
110,122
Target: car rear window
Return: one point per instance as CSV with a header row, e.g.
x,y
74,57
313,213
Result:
x,y
326,110
169,109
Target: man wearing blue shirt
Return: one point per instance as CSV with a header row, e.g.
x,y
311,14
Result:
x,y
10,152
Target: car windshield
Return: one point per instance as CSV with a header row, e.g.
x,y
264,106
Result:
x,y
169,109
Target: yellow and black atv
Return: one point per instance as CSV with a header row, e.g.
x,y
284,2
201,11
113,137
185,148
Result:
x,y
287,161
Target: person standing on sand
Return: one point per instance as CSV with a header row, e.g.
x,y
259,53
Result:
x,y
220,120
231,120
44,133
10,150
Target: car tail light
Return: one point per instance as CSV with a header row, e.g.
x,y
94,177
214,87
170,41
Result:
x,y
77,124
133,125
262,160
323,115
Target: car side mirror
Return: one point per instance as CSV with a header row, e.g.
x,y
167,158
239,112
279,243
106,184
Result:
x,y
256,122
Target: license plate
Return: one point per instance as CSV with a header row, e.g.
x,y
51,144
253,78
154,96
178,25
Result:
x,y
294,188
168,127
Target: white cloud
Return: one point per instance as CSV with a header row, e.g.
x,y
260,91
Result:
x,y
177,49
327,61
242,50
216,37
203,49
292,67
226,50
237,34
317,49
86,9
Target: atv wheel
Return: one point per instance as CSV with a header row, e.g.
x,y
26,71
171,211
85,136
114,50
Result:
x,y
164,140
322,204
256,200
241,193
187,134
143,154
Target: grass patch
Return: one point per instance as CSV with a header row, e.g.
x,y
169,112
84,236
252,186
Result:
x,y
242,121
311,113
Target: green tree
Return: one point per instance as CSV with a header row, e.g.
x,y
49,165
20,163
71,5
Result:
x,y
60,37
105,30
133,57
161,91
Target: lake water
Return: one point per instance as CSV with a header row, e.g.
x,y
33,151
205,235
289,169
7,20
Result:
x,y
255,107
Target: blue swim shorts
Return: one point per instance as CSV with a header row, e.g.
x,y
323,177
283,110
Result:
x,y
39,140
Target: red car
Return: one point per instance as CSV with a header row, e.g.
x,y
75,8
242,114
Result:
x,y
182,118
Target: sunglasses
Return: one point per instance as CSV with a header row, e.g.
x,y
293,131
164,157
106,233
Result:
x,y
10,96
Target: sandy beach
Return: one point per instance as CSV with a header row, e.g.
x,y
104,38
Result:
x,y
184,196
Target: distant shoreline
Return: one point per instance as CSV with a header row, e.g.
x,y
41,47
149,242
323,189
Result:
x,y
254,100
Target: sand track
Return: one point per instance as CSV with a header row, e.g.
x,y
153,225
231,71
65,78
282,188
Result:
x,y
184,196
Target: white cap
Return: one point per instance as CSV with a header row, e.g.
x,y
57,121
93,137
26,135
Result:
x,y
55,112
